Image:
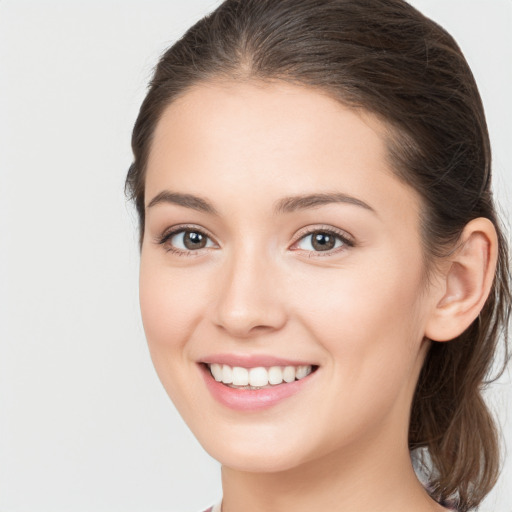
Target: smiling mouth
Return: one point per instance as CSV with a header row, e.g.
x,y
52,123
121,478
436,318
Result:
x,y
260,377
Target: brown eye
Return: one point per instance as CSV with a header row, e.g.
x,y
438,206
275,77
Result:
x,y
322,241
194,240
187,240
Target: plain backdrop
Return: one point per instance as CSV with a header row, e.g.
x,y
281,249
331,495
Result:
x,y
84,423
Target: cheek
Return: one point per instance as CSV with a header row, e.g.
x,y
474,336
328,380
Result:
x,y
369,319
170,304
370,326
171,308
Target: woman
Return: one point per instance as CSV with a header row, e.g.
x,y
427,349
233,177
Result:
x,y
323,278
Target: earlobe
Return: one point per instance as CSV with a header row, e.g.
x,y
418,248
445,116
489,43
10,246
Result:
x,y
467,281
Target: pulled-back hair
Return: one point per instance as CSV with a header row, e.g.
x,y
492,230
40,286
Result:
x,y
385,57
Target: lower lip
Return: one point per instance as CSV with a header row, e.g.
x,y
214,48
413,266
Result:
x,y
252,399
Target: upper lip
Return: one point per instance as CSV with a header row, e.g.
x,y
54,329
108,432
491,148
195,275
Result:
x,y
252,361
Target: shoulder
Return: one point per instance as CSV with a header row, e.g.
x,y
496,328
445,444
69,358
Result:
x,y
214,508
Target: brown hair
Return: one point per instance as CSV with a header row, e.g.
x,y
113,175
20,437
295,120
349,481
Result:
x,y
387,58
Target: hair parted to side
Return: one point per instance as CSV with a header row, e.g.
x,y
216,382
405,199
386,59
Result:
x,y
386,58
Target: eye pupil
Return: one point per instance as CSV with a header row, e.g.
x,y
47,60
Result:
x,y
323,241
194,240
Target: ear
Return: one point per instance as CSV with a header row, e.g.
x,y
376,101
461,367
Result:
x,y
466,281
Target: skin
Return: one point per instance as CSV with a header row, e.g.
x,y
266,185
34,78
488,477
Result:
x,y
361,311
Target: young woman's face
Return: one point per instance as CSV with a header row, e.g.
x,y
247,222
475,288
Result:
x,y
277,236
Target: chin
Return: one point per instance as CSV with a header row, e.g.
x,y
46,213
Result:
x,y
244,453
256,462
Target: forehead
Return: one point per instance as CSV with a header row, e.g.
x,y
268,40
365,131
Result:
x,y
277,138
243,118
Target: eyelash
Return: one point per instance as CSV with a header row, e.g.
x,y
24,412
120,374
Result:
x,y
167,235
346,240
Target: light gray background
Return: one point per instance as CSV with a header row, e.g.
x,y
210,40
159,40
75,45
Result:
x,y
84,422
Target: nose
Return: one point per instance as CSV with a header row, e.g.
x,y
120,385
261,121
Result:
x,y
249,300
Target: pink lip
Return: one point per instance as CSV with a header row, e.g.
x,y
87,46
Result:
x,y
252,399
252,361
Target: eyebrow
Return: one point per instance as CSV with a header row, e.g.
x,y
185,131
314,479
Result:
x,y
186,200
303,202
284,205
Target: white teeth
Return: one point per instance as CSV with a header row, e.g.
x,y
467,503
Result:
x,y
275,375
289,373
240,376
302,371
227,374
216,370
258,377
